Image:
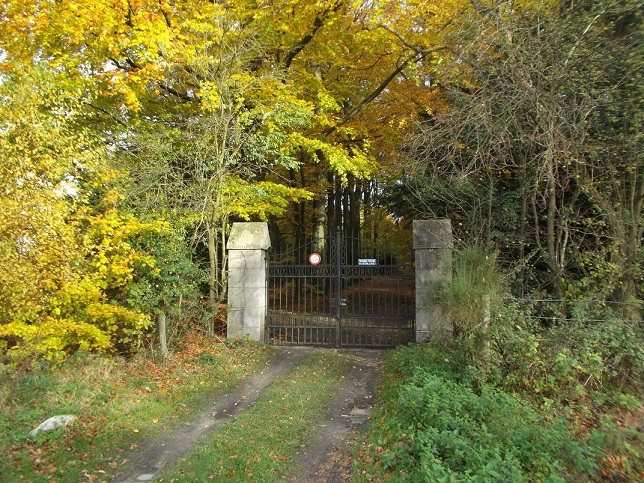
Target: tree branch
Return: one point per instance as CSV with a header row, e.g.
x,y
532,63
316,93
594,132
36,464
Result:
x,y
176,93
416,48
168,23
304,41
363,103
104,111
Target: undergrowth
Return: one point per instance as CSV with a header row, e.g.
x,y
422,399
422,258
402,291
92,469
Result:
x,y
434,426
526,391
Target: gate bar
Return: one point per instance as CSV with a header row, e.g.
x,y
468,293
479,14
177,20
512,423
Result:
x,y
338,288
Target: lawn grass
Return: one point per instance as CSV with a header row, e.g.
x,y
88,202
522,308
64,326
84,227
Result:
x,y
117,402
261,443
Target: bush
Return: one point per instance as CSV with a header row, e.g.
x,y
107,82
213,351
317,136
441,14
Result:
x,y
476,287
475,284
124,272
437,428
563,360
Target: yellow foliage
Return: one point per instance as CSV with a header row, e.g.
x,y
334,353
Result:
x,y
53,338
64,265
355,160
260,199
209,94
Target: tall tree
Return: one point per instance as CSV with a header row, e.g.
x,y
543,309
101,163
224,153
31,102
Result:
x,y
369,85
69,263
532,137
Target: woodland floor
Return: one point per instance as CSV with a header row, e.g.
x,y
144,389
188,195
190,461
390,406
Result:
x,y
326,459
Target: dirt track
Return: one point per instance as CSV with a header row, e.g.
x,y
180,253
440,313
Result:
x,y
327,459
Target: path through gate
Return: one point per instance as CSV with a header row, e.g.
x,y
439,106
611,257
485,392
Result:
x,y
340,292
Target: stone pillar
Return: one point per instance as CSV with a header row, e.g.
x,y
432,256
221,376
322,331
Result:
x,y
433,252
247,291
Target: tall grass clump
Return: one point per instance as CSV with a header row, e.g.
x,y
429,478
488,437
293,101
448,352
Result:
x,y
476,287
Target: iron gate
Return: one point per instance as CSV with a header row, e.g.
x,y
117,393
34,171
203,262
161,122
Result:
x,y
340,292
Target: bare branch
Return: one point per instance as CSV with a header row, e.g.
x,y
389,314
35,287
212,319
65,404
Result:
x,y
104,111
417,48
176,93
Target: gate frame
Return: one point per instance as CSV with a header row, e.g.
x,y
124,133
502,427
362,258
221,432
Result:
x,y
368,323
248,271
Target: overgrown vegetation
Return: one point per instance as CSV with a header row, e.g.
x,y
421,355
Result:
x,y
149,126
528,390
117,401
536,157
435,427
538,150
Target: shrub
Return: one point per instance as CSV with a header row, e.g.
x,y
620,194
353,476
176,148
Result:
x,y
476,282
476,287
590,350
435,427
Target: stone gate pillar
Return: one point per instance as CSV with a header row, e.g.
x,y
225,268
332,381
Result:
x,y
247,291
433,252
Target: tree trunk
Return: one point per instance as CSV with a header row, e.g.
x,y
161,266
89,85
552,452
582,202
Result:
x,y
524,222
551,230
214,269
330,208
320,219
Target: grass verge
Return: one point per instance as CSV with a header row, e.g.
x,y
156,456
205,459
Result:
x,y
261,443
117,401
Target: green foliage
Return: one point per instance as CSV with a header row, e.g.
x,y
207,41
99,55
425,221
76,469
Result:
x,y
174,277
585,362
554,395
435,427
590,351
621,444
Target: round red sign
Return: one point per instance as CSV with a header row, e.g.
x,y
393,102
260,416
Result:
x,y
315,258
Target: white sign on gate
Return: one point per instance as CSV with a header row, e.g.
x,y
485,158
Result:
x,y
367,261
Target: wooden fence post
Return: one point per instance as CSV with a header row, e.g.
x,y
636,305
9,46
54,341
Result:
x,y
162,337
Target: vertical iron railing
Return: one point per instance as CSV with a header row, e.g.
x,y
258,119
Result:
x,y
356,296
338,288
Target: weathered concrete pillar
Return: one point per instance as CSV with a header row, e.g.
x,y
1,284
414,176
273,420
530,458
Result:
x,y
247,291
433,252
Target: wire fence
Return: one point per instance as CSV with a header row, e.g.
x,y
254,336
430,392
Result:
x,y
555,311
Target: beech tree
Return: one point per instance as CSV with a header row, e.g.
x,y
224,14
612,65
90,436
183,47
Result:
x,y
369,85
69,265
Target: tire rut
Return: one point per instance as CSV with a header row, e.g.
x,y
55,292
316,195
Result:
x,y
327,458
152,456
